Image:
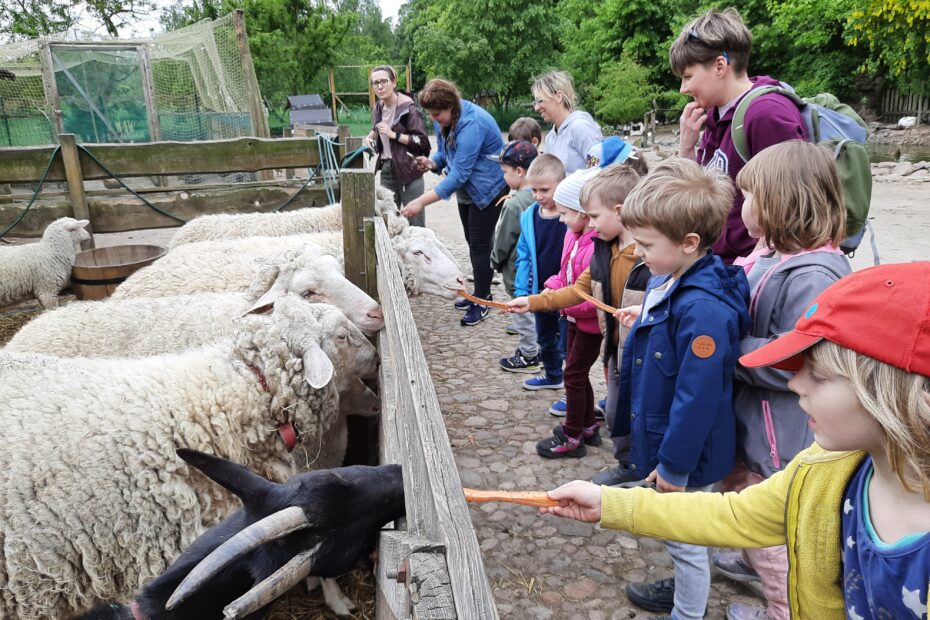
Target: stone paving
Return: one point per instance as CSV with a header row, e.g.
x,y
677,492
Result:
x,y
539,567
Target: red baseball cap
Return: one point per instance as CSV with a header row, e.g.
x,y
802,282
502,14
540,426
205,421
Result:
x,y
882,312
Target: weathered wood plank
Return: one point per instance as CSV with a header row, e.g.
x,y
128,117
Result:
x,y
25,165
357,189
69,155
436,508
391,599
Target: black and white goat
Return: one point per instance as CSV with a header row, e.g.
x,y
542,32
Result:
x,y
319,523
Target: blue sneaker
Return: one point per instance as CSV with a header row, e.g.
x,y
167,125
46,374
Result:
x,y
600,409
475,315
543,382
559,408
461,304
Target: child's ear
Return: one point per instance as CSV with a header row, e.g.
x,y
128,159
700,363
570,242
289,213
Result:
x,y
691,243
535,142
618,207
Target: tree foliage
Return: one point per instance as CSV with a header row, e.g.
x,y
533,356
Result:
x,y
897,35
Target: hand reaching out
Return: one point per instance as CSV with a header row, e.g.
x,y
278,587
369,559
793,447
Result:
x,y
628,315
520,305
662,485
425,163
578,500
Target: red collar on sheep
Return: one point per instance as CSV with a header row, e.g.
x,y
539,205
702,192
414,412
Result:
x,y
286,430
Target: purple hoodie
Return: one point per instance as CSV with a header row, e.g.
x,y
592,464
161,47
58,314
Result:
x,y
770,119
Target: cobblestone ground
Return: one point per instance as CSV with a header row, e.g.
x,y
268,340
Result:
x,y
539,567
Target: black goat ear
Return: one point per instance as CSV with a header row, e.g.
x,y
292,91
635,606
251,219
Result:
x,y
247,485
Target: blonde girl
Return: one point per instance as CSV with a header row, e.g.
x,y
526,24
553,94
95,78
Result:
x,y
853,509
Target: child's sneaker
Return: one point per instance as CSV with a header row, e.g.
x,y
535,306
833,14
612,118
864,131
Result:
x,y
461,304
600,410
560,446
520,363
559,408
475,315
543,382
591,434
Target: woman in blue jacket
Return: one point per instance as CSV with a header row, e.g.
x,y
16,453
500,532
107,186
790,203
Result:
x,y
465,135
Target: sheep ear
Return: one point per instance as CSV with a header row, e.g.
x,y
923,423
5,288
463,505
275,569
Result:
x,y
318,368
249,486
77,224
266,301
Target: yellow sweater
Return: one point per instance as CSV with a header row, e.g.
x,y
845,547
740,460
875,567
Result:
x,y
800,506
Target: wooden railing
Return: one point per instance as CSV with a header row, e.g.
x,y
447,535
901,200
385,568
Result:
x,y
895,105
115,210
430,566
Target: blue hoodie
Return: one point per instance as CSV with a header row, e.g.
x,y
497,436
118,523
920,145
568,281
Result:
x,y
476,136
676,379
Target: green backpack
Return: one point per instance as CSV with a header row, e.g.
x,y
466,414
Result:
x,y
833,125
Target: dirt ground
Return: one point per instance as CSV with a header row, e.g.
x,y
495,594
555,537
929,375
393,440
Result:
x,y
544,567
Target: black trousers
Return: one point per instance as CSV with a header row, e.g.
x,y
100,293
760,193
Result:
x,y
479,225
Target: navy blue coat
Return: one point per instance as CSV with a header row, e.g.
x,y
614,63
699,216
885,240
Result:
x,y
676,379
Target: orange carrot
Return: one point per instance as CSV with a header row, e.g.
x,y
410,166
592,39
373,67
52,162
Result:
x,y
484,302
600,305
529,498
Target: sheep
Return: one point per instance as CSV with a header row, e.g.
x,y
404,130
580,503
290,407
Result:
x,y
426,264
142,327
300,221
41,269
93,503
337,515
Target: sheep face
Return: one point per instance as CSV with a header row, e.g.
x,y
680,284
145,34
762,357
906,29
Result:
x,y
427,264
318,279
74,228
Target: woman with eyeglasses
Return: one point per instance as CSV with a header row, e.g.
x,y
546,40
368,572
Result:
x,y
573,131
466,135
398,135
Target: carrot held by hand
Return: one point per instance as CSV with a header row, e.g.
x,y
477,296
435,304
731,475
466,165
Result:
x,y
528,498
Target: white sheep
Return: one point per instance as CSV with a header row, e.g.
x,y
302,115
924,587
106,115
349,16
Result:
x,y
41,269
426,264
149,326
94,502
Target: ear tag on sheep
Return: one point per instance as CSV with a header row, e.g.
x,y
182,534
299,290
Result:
x,y
288,435
318,369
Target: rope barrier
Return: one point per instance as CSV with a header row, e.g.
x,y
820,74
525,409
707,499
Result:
x,y
35,194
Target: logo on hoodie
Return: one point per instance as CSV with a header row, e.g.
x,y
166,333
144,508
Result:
x,y
719,161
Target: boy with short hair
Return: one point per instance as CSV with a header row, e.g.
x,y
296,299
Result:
x,y
616,277
526,128
515,161
676,379
711,55
539,253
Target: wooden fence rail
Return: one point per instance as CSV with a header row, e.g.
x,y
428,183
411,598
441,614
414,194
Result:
x,y
108,213
430,566
895,105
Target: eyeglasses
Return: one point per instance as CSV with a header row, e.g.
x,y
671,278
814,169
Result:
x,y
379,83
696,38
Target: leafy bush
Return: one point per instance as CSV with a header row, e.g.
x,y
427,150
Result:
x,y
623,92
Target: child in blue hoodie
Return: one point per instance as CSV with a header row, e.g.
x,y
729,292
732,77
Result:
x,y
676,378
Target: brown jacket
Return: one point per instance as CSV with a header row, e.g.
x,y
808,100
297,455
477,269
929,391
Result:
x,y
407,120
622,263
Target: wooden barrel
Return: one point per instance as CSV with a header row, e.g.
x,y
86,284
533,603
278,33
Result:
x,y
97,273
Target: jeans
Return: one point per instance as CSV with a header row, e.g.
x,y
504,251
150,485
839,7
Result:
x,y
692,575
551,346
622,443
405,193
583,351
478,225
525,324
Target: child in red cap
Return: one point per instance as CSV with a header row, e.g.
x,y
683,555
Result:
x,y
853,509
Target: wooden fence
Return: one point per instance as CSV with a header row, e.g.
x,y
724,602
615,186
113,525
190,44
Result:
x,y
115,210
895,105
430,566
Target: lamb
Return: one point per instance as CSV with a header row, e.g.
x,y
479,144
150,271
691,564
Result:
x,y
93,502
427,266
143,327
239,226
337,514
41,269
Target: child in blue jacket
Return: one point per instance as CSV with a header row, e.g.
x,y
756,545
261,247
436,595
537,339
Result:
x,y
676,379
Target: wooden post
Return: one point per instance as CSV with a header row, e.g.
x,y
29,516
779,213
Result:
x,y
409,77
287,132
256,107
72,161
371,91
332,92
51,88
357,188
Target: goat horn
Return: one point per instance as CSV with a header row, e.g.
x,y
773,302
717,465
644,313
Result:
x,y
271,527
272,586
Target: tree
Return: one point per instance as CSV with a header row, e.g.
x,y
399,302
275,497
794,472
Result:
x,y
897,35
623,92
23,19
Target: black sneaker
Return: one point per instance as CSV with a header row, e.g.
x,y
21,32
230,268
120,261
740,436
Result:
x,y
559,447
616,475
475,315
592,436
520,363
656,596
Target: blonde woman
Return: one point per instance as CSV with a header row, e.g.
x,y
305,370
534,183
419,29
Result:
x,y
399,136
573,131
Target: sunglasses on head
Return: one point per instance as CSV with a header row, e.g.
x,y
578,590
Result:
x,y
693,36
